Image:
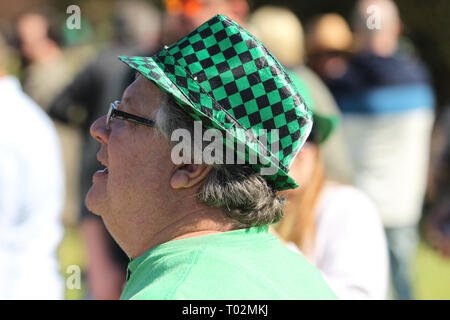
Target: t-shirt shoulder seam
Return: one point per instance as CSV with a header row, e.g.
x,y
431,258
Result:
x,y
192,263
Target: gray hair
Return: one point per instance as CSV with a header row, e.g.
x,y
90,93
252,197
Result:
x,y
241,193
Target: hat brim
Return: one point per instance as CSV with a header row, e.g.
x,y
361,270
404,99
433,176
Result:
x,y
167,82
325,126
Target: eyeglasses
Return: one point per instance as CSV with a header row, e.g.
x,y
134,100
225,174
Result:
x,y
188,7
114,113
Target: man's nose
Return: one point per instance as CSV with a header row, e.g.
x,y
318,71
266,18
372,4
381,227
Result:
x,y
99,131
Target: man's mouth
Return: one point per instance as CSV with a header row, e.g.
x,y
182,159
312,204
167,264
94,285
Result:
x,y
105,170
101,173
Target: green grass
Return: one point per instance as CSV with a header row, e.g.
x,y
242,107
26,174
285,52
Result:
x,y
432,279
71,252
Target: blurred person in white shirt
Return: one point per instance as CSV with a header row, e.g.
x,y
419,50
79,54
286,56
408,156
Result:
x,y
335,226
31,196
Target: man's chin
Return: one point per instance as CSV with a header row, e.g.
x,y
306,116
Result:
x,y
94,205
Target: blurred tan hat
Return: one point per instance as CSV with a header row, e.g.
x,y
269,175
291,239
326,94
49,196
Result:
x,y
280,31
328,32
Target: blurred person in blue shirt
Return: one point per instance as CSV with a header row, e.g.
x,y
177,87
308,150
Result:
x,y
387,103
334,225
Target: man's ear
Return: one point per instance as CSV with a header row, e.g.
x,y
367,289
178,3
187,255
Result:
x,y
189,175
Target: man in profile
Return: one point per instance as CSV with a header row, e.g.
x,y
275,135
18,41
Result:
x,y
195,230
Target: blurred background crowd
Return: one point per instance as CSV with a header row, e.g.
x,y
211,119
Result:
x,y
374,71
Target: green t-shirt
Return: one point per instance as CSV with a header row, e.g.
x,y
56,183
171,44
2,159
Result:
x,y
241,264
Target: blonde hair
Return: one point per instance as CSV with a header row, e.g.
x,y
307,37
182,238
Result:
x,y
299,223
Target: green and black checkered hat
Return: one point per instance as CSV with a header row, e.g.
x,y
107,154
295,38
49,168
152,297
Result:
x,y
223,76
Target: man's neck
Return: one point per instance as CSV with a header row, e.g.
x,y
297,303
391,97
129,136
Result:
x,y
194,223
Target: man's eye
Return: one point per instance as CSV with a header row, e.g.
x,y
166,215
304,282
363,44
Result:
x,y
119,117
